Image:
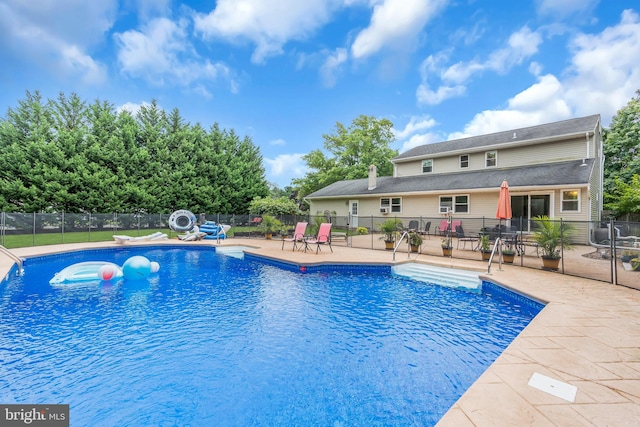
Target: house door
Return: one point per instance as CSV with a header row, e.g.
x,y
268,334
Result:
x,y
527,207
353,212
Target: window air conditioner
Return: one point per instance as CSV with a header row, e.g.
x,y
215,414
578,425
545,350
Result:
x,y
384,210
444,209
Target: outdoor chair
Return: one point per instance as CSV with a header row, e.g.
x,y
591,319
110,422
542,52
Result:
x,y
323,237
298,236
427,227
414,225
464,238
443,227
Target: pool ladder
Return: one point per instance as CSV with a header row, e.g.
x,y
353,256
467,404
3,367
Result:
x,y
496,246
405,234
14,257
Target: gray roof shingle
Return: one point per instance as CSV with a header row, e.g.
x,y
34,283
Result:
x,y
565,127
551,174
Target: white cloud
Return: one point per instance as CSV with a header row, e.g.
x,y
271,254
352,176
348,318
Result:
x,y
132,107
285,167
604,75
162,54
521,45
395,24
416,124
540,103
269,24
61,45
605,72
278,142
332,66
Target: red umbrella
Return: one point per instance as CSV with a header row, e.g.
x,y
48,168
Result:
x,y
504,205
504,202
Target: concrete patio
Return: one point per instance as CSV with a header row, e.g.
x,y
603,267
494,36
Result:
x,y
588,336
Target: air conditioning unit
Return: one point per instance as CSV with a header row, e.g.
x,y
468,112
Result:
x,y
444,209
384,210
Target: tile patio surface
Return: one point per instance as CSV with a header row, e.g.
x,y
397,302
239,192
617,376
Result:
x,y
588,336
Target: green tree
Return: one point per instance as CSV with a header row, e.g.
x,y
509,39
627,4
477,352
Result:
x,y
65,155
352,150
621,150
273,206
626,196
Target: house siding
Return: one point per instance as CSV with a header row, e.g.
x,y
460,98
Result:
x,y
556,151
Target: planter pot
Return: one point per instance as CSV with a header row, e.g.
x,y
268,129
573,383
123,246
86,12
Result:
x,y
415,248
388,245
268,236
508,258
549,263
626,258
485,255
447,251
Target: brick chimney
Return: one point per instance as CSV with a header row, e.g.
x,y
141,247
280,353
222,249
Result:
x,y
372,177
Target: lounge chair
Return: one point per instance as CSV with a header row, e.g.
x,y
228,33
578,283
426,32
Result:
x,y
298,236
120,238
443,227
323,237
192,235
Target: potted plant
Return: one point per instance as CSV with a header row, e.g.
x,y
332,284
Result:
x,y
390,228
550,236
447,247
508,255
635,264
269,225
415,240
485,247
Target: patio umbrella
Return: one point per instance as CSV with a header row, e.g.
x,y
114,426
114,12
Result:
x,y
504,205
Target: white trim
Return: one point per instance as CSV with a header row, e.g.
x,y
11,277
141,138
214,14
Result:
x,y
422,166
485,159
468,162
579,201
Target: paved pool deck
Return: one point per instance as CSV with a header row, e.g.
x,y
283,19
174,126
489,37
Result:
x,y
587,336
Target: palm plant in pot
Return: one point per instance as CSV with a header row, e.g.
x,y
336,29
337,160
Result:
x,y
415,240
269,225
390,228
485,247
551,236
508,255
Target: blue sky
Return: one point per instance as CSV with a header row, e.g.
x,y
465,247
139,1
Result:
x,y
283,72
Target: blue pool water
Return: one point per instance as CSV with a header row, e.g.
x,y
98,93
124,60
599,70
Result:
x,y
215,340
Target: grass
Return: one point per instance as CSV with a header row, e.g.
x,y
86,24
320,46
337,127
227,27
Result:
x,y
11,241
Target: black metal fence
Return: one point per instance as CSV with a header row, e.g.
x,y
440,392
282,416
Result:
x,y
605,250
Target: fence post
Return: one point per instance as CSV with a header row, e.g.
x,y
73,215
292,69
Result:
x,y
62,228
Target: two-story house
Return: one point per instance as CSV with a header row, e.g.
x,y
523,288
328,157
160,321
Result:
x,y
553,169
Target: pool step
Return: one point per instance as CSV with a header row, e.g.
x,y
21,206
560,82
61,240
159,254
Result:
x,y
449,277
232,251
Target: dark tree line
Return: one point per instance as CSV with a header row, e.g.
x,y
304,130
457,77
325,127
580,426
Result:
x,y
66,155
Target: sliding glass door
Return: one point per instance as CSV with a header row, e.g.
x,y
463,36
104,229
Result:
x,y
526,207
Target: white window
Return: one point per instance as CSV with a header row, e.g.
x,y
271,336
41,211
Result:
x,y
392,204
464,161
570,201
427,166
456,204
491,159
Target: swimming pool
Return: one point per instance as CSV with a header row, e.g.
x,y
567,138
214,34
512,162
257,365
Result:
x,y
216,340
